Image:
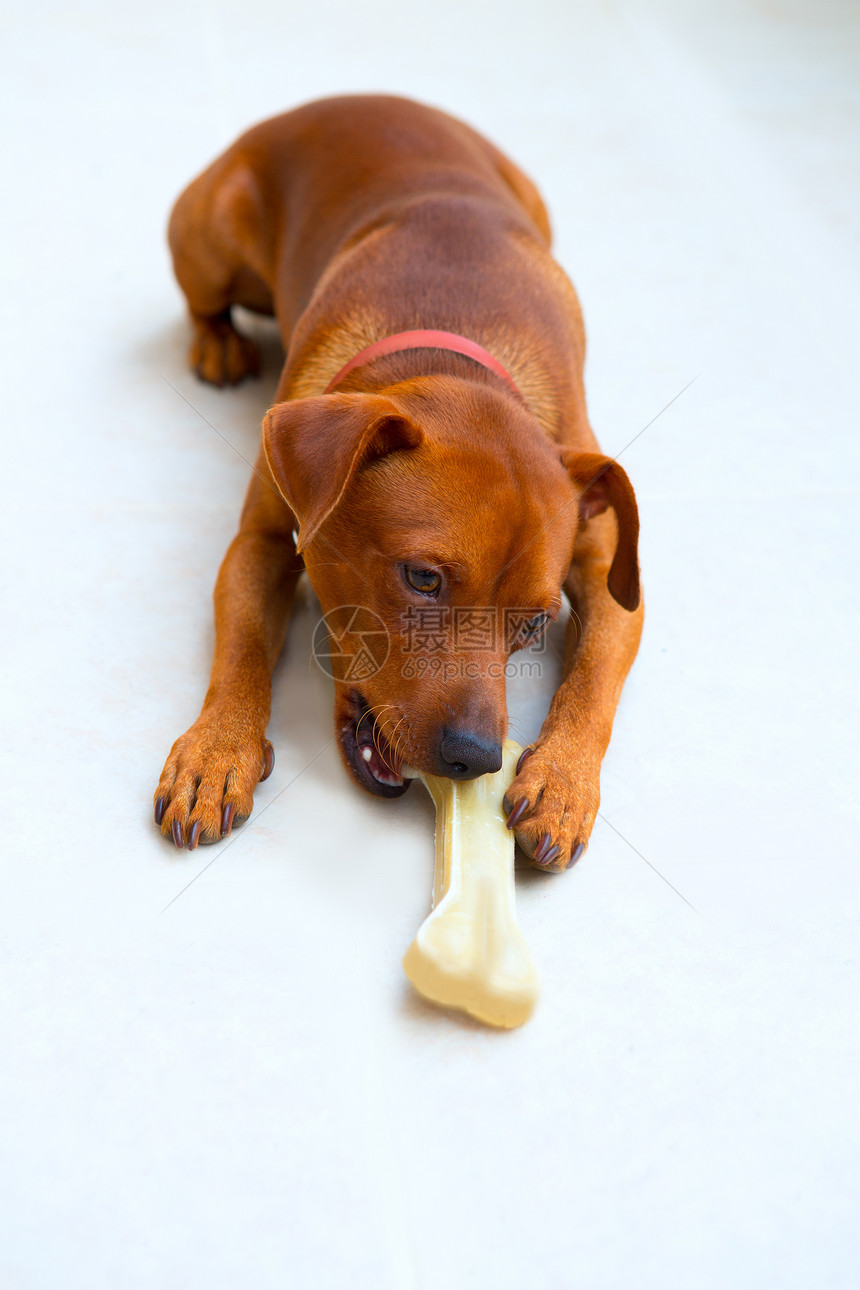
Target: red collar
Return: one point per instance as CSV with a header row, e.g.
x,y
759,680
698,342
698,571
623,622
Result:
x,y
426,340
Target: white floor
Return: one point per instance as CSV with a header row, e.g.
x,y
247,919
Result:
x,y
228,1084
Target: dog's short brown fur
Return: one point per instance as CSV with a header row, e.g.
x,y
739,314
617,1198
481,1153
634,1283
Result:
x,y
353,219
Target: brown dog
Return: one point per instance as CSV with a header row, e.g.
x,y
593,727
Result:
x,y
448,483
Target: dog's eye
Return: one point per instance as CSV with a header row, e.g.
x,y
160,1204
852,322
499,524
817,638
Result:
x,y
427,581
536,624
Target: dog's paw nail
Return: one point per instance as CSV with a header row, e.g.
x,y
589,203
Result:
x,y
159,810
270,762
176,830
518,812
550,856
194,835
577,852
542,848
524,756
227,819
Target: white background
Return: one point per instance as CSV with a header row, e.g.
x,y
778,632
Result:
x,y
239,1090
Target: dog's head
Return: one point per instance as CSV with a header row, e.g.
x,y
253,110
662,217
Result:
x,y
437,524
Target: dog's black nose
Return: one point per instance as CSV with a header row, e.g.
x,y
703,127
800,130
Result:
x,y
463,755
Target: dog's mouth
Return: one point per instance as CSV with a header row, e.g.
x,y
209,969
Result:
x,y
367,752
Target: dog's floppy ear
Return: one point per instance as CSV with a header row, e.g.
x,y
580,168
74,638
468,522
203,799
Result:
x,y
602,483
315,446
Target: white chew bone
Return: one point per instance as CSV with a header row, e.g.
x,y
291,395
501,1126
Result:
x,y
470,953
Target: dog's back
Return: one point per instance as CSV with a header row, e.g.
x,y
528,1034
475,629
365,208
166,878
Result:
x,y
315,205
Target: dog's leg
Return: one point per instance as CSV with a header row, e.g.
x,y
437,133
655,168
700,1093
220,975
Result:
x,y
555,796
219,258
209,778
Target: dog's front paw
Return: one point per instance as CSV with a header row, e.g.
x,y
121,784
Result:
x,y
220,355
552,805
208,781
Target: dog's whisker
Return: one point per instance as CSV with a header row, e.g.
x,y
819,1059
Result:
x,y
518,732
393,740
367,713
375,735
397,727
378,715
391,736
376,729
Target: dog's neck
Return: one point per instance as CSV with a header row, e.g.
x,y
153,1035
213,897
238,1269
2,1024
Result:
x,y
426,339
